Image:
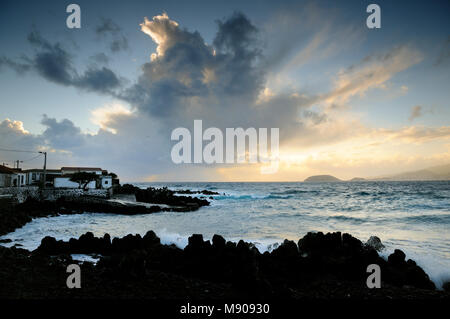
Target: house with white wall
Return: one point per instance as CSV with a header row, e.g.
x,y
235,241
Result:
x,y
19,178
34,176
65,182
103,181
60,178
6,175
12,177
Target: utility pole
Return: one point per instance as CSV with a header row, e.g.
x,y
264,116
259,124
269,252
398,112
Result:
x,y
45,168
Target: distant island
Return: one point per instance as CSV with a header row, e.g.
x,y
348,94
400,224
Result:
x,y
436,173
322,178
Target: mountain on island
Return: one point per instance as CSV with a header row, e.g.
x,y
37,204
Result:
x,y
436,173
322,178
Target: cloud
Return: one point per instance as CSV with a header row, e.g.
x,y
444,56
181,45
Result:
x,y
18,67
417,134
14,136
106,116
63,134
444,54
109,29
224,83
100,58
372,72
187,78
416,112
13,133
298,36
98,80
56,65
132,151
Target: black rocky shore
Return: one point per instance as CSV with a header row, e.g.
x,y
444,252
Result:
x,y
14,215
323,266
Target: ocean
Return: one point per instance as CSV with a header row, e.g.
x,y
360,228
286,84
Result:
x,y
412,216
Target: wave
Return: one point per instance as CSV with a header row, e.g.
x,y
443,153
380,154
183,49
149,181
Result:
x,y
348,218
435,218
434,267
296,191
250,196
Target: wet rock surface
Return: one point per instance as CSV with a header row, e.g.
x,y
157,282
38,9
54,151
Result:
x,y
14,215
320,265
168,197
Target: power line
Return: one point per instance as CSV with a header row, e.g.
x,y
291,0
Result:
x,y
18,151
30,159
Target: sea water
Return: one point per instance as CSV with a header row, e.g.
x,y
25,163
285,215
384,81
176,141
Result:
x,y
412,216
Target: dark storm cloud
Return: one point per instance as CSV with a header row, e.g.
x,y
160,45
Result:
x,y
119,44
109,29
185,67
223,83
186,79
51,61
98,80
107,26
238,36
18,67
59,135
56,65
63,134
238,51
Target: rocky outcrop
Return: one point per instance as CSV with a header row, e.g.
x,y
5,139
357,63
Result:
x,y
375,243
317,259
202,192
14,215
168,197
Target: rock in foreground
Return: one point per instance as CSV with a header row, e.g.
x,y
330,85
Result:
x,y
320,265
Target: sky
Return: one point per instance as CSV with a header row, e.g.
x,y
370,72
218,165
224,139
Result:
x,y
348,100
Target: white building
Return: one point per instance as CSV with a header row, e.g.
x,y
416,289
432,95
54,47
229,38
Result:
x,y
65,182
105,182
34,176
12,177
19,178
6,175
60,178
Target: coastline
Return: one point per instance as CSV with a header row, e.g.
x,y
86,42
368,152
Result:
x,y
323,266
320,266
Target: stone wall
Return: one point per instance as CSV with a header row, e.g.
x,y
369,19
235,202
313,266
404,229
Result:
x,y
22,193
